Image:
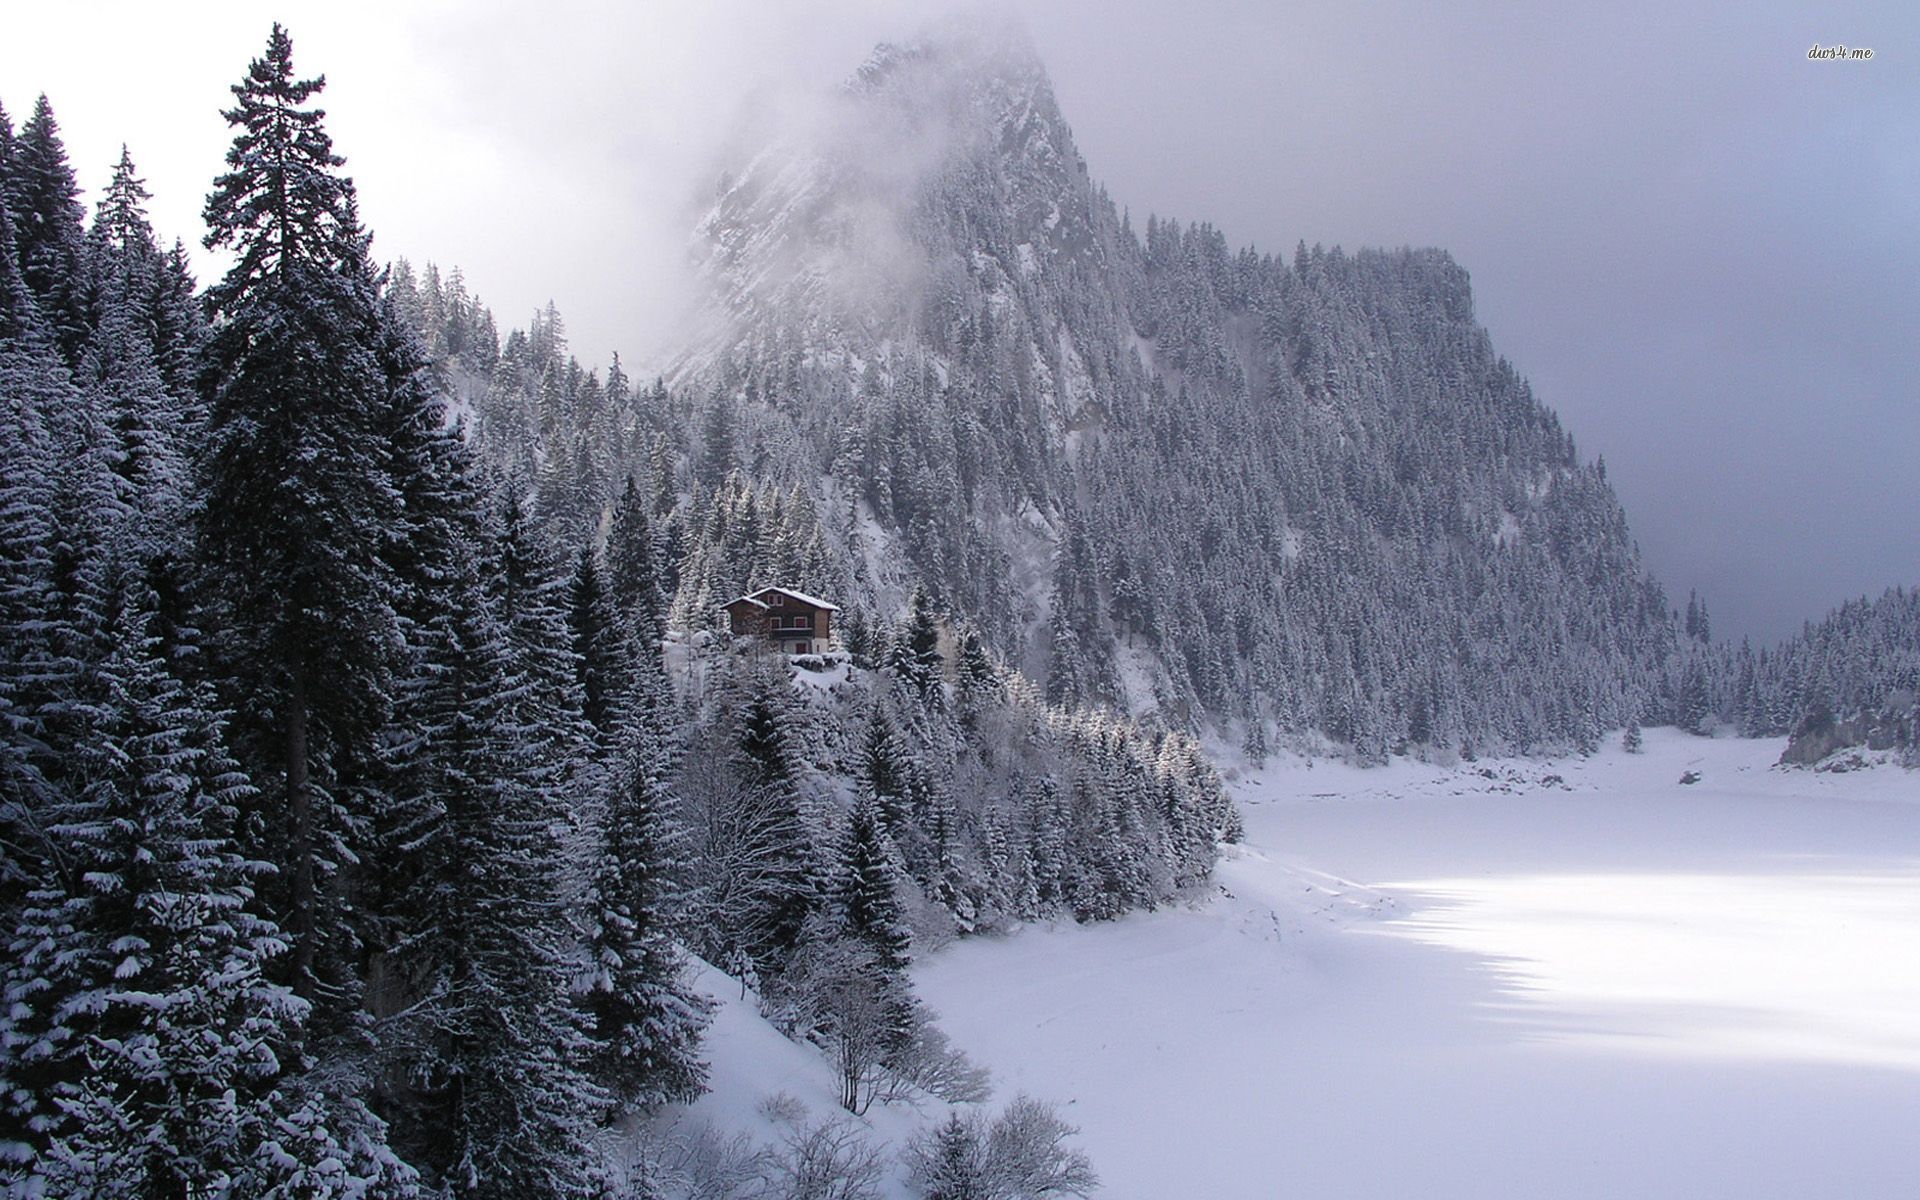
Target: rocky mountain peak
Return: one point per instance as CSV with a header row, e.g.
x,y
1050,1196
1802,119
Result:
x,y
835,218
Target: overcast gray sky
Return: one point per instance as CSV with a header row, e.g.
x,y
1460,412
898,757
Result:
x,y
1701,247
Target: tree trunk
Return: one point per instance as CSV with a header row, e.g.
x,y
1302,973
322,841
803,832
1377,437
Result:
x,y
300,816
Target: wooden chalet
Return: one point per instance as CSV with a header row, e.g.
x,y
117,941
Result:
x,y
793,621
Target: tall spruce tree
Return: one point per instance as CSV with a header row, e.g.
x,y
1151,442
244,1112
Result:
x,y
149,425
885,774
768,921
32,385
298,498
121,249
915,661
631,572
48,220
179,323
633,580
603,655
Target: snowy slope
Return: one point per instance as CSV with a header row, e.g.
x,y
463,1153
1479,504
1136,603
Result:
x,y
752,1064
1552,979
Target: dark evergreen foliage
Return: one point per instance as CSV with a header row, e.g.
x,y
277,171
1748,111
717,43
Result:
x,y
299,497
644,1023
869,905
915,661
606,670
221,963
143,1034
485,1090
48,220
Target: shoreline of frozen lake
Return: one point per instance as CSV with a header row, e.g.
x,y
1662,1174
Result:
x,y
1600,984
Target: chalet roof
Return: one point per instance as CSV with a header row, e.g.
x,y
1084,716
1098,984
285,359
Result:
x,y
753,598
802,597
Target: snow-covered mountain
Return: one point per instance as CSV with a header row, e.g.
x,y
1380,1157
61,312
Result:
x,y
937,162
1302,490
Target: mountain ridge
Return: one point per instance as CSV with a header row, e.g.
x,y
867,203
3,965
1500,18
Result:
x,y
1291,497
978,276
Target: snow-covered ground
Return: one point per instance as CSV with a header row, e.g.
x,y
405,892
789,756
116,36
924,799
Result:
x,y
1578,979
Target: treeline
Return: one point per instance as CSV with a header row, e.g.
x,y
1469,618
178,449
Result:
x,y
998,807
736,499
1849,679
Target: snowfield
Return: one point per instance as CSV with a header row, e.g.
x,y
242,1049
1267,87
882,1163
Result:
x,y
1527,979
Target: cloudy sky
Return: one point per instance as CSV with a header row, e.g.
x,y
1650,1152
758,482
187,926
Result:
x,y
1701,247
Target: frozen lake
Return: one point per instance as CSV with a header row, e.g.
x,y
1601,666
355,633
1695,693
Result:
x,y
1422,983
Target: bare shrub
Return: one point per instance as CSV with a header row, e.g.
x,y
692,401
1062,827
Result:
x,y
1021,1155
828,1160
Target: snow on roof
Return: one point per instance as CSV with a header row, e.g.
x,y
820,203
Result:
x,y
802,597
748,599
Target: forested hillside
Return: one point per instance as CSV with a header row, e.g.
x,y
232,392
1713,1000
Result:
x,y
1298,492
355,815
1300,496
1850,679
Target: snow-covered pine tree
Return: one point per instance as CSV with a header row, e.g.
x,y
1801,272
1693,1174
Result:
x,y
976,681
632,575
144,1047
786,888
32,384
484,1084
633,579
949,1161
606,668
530,580
179,325
765,714
915,660
120,248
868,900
644,1022
152,427
884,773
48,227
431,552
298,501
1047,844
